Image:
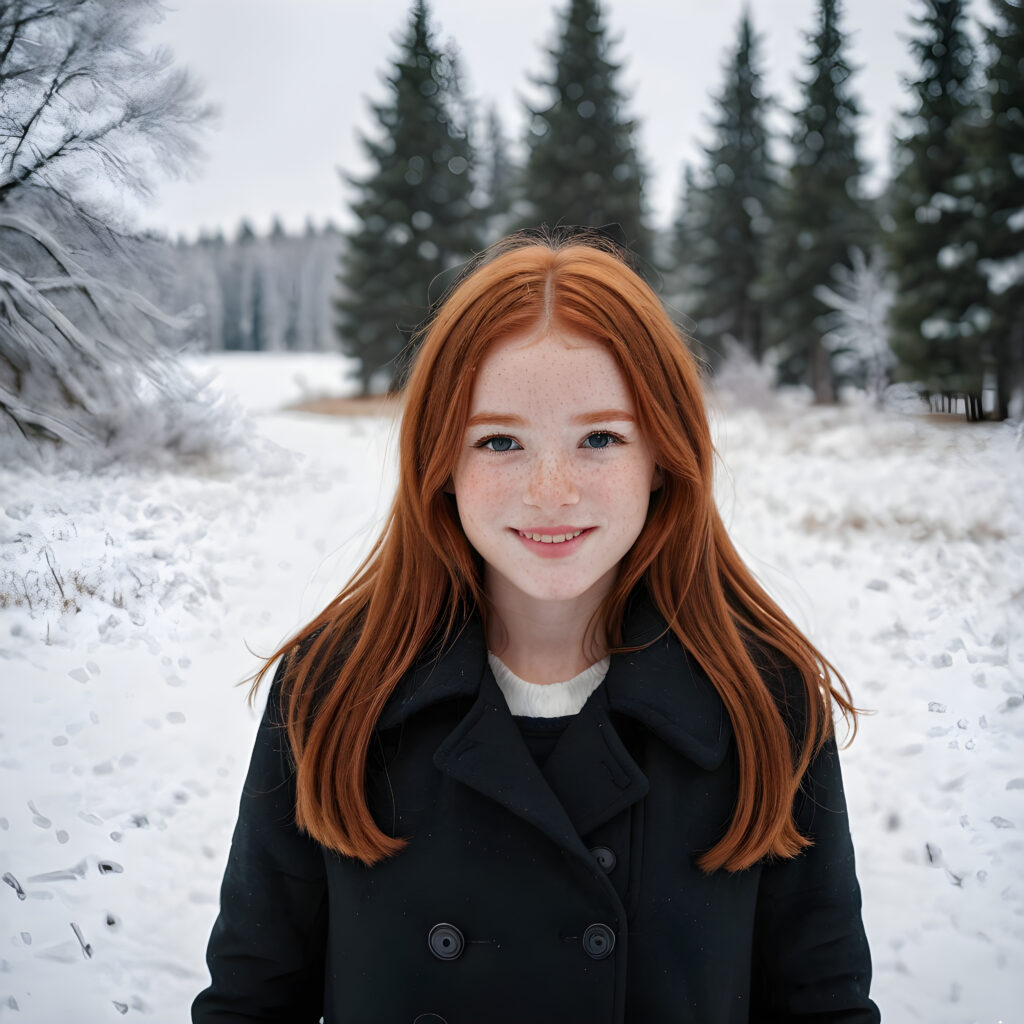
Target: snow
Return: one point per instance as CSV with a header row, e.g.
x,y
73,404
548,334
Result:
x,y
267,381
1002,275
949,257
895,541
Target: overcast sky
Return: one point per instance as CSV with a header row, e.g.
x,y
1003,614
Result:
x,y
292,81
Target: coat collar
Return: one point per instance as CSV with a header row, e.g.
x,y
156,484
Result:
x,y
660,685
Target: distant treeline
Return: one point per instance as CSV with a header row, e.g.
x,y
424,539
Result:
x,y
254,293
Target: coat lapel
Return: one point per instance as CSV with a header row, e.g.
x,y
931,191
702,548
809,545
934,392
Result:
x,y
487,752
661,686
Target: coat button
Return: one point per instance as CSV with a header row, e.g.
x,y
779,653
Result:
x,y
445,941
604,857
598,941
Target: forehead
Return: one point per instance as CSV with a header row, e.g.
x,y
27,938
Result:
x,y
545,367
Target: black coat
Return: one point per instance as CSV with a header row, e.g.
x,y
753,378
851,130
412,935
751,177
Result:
x,y
565,894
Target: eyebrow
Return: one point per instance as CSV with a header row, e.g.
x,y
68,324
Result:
x,y
505,419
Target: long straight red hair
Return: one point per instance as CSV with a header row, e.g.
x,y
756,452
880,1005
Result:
x,y
422,576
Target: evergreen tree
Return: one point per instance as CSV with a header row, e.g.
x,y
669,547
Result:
x,y
721,236
414,213
821,213
683,251
582,166
1002,245
498,180
257,328
939,314
684,243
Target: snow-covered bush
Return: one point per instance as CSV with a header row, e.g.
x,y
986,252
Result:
x,y
743,382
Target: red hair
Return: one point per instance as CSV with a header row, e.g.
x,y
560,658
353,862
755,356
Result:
x,y
422,576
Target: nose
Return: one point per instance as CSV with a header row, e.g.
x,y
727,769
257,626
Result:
x,y
551,484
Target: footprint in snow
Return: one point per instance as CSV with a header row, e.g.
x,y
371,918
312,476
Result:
x,y
14,884
62,874
38,819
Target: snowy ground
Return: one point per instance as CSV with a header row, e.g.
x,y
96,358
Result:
x,y
129,604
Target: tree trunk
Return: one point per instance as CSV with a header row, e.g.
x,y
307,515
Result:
x,y
1009,366
819,369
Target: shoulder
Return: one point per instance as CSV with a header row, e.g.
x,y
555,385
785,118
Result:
x,y
312,661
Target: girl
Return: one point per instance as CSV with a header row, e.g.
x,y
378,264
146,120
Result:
x,y
552,755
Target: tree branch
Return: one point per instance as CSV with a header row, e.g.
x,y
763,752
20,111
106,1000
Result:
x,y
56,85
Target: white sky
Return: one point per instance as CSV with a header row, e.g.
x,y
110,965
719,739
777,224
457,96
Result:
x,y
292,83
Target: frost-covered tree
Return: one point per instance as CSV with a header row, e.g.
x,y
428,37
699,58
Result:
x,y
1001,248
582,166
87,116
821,213
721,237
940,311
860,298
415,217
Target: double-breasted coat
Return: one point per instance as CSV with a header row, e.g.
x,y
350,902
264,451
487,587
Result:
x,y
564,893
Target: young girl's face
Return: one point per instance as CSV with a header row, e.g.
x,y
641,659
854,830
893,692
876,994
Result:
x,y
554,478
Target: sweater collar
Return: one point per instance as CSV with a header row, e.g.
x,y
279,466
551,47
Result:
x,y
660,685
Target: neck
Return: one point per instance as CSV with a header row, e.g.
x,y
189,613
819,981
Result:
x,y
545,641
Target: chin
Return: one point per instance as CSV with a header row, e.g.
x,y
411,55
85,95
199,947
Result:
x,y
560,592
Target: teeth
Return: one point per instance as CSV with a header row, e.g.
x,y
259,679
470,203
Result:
x,y
548,538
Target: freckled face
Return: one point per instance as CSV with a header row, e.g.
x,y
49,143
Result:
x,y
554,478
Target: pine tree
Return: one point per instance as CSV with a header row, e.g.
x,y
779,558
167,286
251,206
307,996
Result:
x,y
939,315
414,213
821,213
498,180
721,235
1002,245
582,166
684,246
236,279
685,243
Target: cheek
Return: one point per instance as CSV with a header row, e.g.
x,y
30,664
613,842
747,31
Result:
x,y
477,491
626,487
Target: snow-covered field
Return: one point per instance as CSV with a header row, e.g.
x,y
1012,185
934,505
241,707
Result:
x,y
132,602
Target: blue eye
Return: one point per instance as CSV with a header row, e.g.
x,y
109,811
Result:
x,y
500,443
601,439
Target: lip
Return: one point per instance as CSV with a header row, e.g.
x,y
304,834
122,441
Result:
x,y
560,550
550,531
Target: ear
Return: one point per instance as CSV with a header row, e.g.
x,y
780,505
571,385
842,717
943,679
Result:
x,y
658,479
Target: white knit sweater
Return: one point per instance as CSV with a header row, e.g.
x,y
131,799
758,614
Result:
x,y
547,700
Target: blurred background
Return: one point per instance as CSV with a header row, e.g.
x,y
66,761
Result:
x,y
834,191
221,220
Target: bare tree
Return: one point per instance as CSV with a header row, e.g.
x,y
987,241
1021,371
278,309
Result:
x,y
89,119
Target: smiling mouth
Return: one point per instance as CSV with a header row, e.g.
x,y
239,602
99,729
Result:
x,y
551,538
